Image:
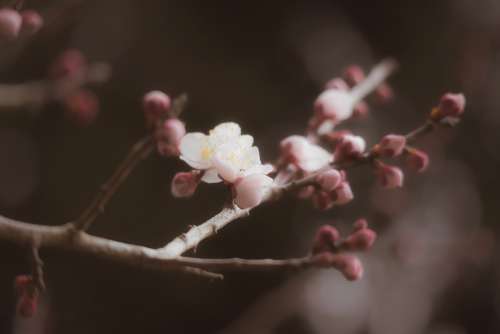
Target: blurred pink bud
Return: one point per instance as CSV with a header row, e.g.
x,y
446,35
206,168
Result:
x,y
360,240
10,23
82,107
391,145
384,93
417,160
70,63
325,239
335,105
349,146
155,105
169,136
342,194
450,105
390,176
360,224
354,74
337,83
361,110
22,282
305,192
308,157
251,190
27,304
322,200
348,265
184,184
32,22
329,180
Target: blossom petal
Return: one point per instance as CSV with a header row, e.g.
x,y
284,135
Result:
x,y
245,141
211,176
316,159
195,151
225,168
224,133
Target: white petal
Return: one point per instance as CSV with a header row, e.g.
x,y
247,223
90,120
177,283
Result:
x,y
245,141
224,133
195,151
250,157
259,169
315,159
226,170
210,176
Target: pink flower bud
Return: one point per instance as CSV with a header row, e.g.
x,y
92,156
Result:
x,y
252,190
169,136
334,104
349,146
391,145
360,224
329,180
10,23
184,184
390,176
322,200
450,105
417,160
342,194
337,83
71,63
360,240
82,107
155,105
354,74
325,239
361,110
384,93
32,22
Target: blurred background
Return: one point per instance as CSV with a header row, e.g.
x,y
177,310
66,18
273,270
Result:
x,y
434,269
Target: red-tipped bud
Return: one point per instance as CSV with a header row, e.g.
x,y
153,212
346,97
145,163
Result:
x,y
155,105
169,135
417,160
384,93
349,147
390,176
322,200
337,83
354,75
32,22
10,23
342,194
450,105
361,110
360,240
82,107
71,63
391,145
184,184
329,180
325,239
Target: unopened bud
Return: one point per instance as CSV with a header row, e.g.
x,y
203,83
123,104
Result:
x,y
391,145
329,180
169,135
342,194
32,22
390,176
349,147
450,105
184,184
335,105
417,160
360,240
82,107
384,93
354,75
155,105
361,110
325,239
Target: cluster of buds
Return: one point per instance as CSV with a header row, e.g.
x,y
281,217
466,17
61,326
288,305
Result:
x,y
343,99
168,129
69,74
27,291
14,23
329,249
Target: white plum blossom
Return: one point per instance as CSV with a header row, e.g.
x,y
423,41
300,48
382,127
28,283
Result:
x,y
223,154
305,155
